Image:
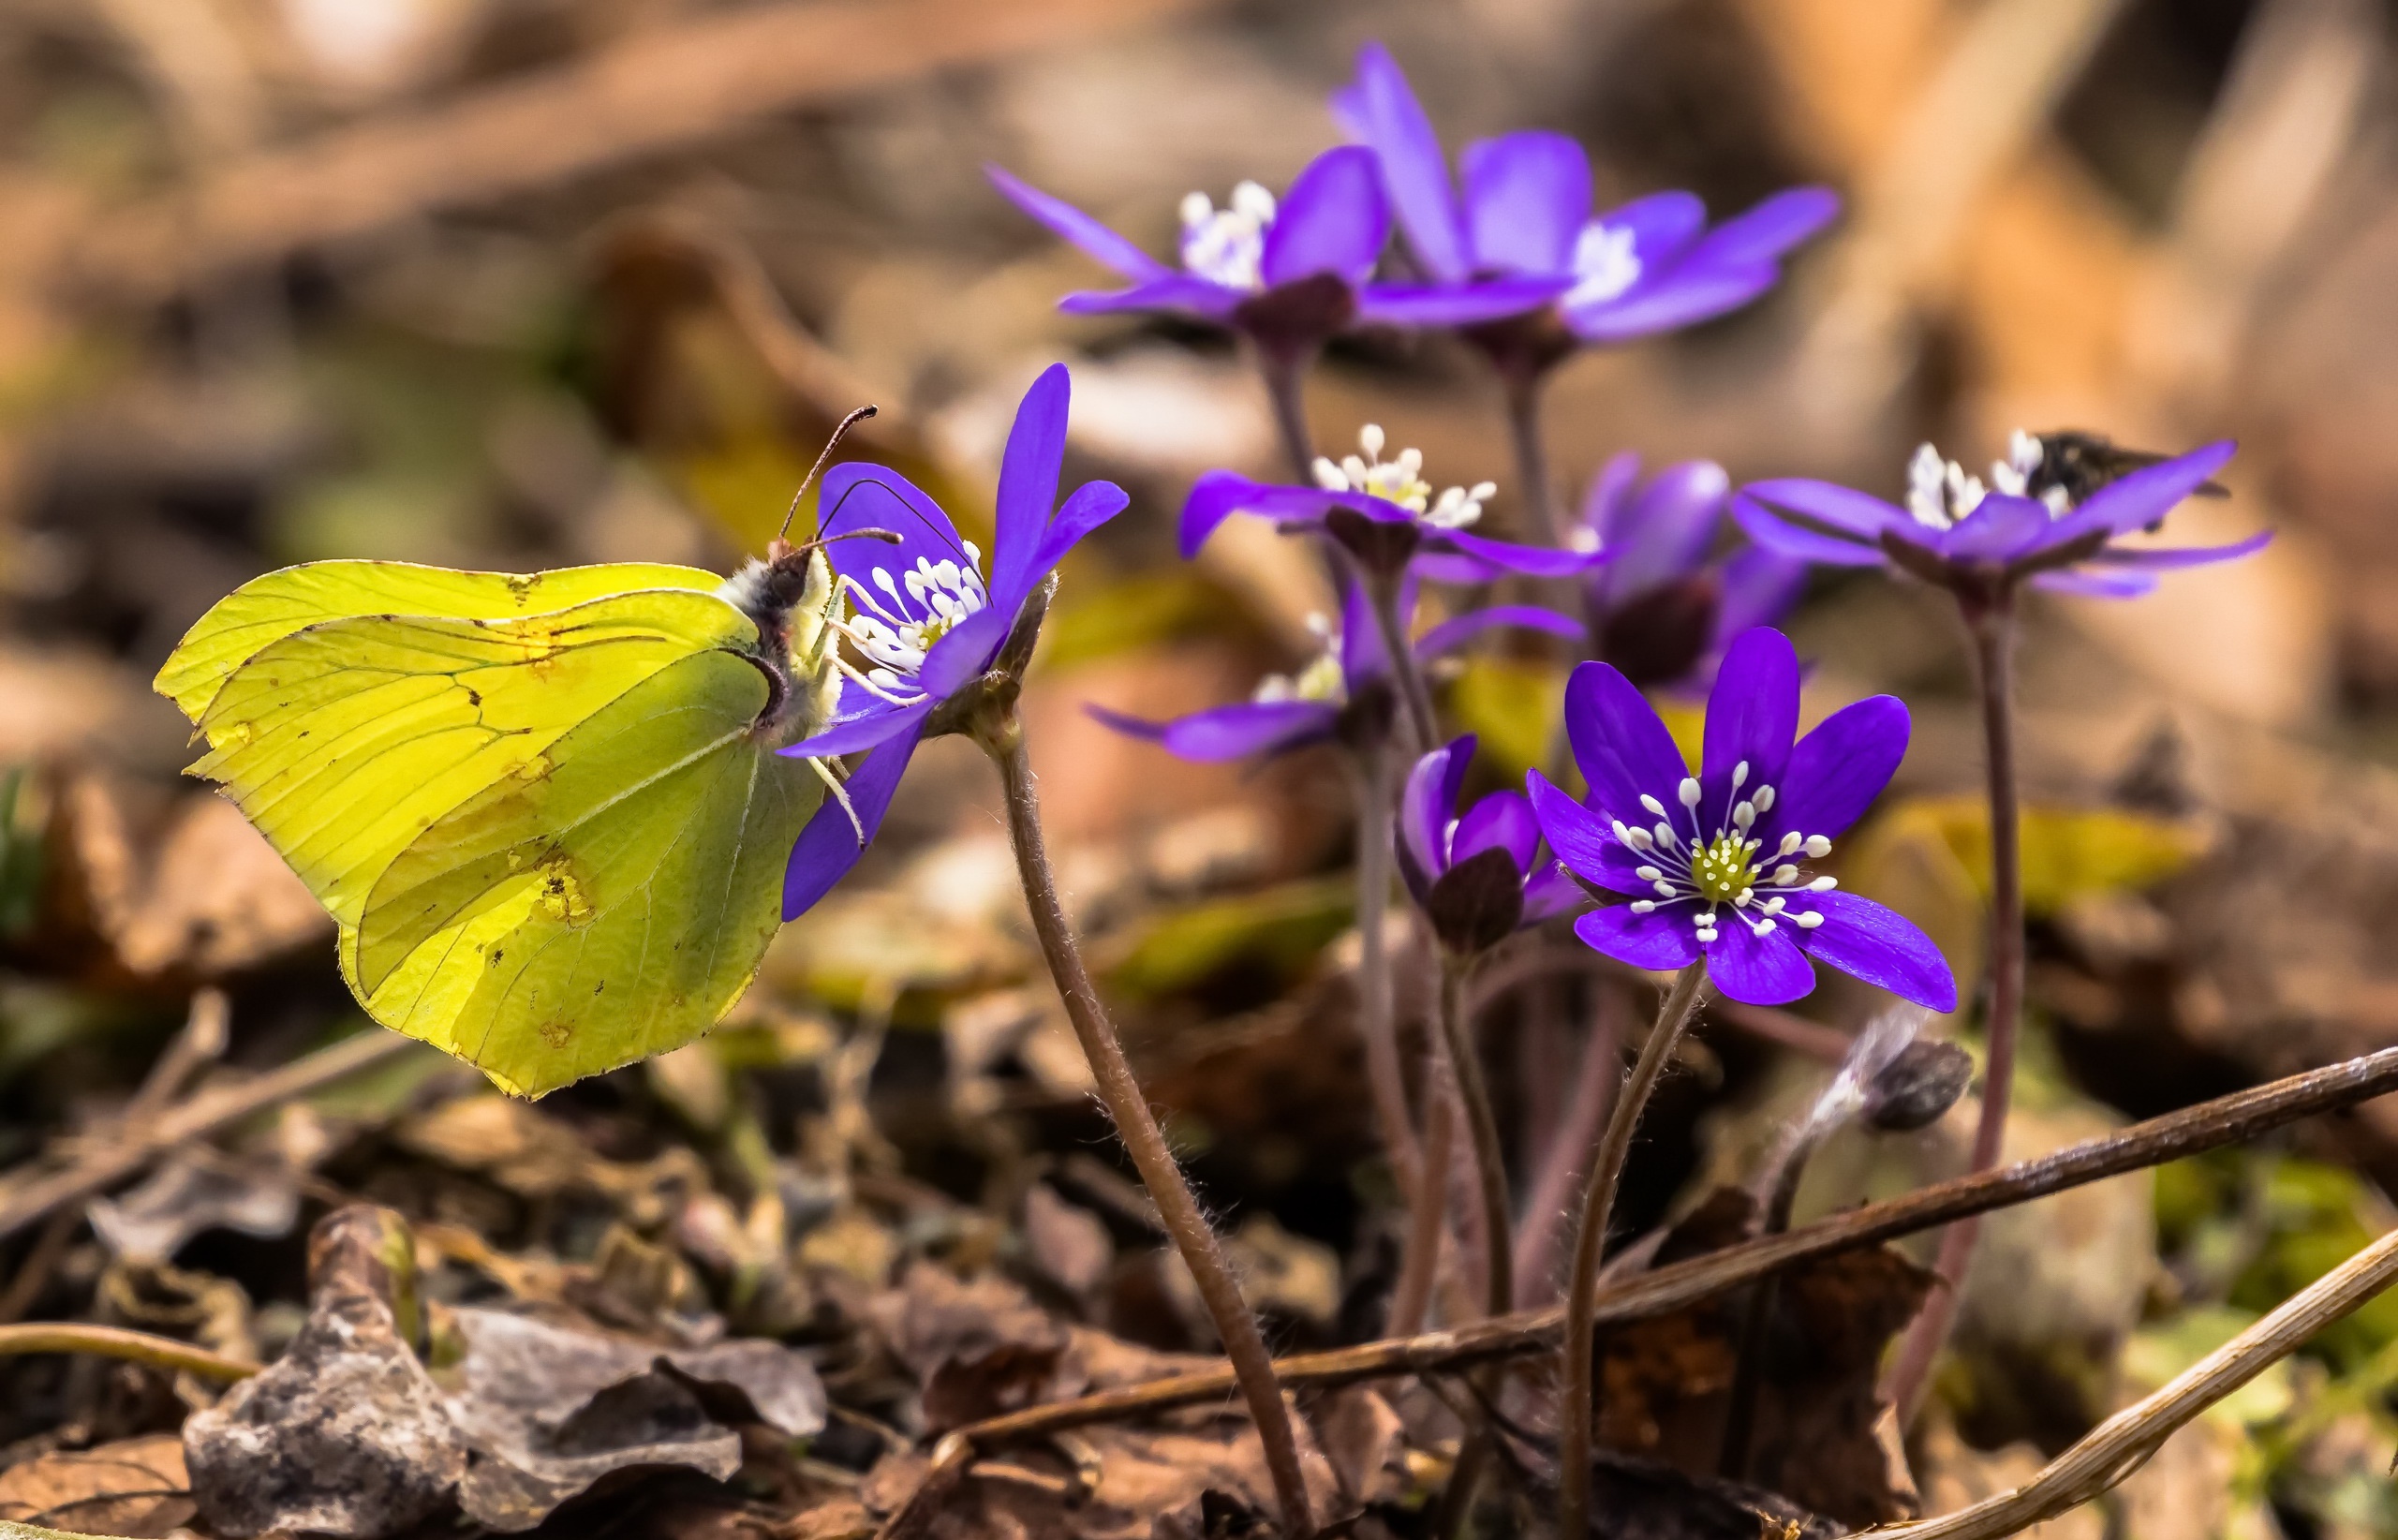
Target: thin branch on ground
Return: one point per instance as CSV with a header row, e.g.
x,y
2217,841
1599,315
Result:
x,y
138,1347
2209,1125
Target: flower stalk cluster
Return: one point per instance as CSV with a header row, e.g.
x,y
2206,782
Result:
x,y
1714,874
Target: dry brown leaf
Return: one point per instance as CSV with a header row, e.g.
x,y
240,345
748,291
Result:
x,y
135,1487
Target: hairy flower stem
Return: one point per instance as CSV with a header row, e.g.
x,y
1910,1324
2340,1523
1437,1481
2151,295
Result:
x,y
1002,736
1284,369
1538,491
1598,1208
1384,1072
1991,621
1482,1125
1427,1207
1739,1422
1567,1159
1415,696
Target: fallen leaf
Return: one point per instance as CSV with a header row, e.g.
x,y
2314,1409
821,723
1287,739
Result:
x,y
548,1411
135,1487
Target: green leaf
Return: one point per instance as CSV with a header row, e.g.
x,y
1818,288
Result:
x,y
1282,927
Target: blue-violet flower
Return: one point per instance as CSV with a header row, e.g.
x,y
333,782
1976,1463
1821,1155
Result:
x,y
1525,211
1717,863
1481,873
1669,603
1318,702
1291,273
1384,514
2021,525
925,620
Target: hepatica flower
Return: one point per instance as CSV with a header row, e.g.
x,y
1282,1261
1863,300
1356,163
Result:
x,y
1720,863
2024,523
1479,873
1524,211
1671,601
1320,702
922,618
1384,512
1291,272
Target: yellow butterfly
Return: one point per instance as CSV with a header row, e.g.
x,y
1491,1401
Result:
x,y
545,812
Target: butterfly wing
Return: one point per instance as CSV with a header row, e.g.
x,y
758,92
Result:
x,y
613,906
552,843
267,609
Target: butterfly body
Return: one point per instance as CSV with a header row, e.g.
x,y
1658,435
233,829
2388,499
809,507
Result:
x,y
546,813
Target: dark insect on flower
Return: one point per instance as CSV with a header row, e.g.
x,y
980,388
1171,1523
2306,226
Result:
x,y
2080,462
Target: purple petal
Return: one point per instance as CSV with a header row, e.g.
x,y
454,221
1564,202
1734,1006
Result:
x,y
1501,821
1751,712
1865,940
1609,499
1582,839
1662,226
1531,560
1088,506
1662,533
1527,195
1766,231
829,846
1174,292
851,731
1455,304
1392,122
1029,485
1661,938
2000,528
1428,804
1220,493
1758,586
2092,583
862,496
1683,298
1797,541
1830,504
1623,749
1551,891
2166,558
965,651
1334,219
1095,238
1836,771
1231,732
1362,657
1768,969
1454,632
2147,495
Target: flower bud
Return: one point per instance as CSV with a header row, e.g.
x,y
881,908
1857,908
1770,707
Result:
x,y
1912,1091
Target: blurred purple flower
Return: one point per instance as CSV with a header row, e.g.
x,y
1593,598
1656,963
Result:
x,y
1480,873
1384,514
1668,604
921,613
1716,863
1525,211
1318,704
1295,270
1958,532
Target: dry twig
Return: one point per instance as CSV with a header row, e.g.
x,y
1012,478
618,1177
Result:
x,y
2210,1125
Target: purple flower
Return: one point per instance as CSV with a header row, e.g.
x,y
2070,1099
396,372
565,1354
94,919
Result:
x,y
1481,873
1318,702
1294,271
1717,863
2022,524
923,616
1668,604
1525,211
1384,514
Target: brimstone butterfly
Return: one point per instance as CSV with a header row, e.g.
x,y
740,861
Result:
x,y
545,812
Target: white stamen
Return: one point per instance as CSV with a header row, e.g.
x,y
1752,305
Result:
x,y
1606,263
1647,874
1764,799
1740,775
1808,921
1823,884
1790,842
1688,792
1652,805
1664,890
1817,847
1785,875
1743,815
1644,905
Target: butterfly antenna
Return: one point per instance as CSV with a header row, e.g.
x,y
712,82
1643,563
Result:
x,y
840,430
